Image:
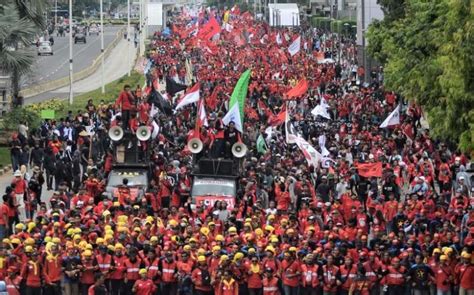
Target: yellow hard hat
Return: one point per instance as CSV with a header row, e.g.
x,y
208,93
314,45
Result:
x,y
204,230
436,250
76,237
201,251
443,257
142,271
201,258
251,250
238,256
216,248
16,241
28,249
87,253
293,249
56,240
465,255
232,229
224,258
259,232
269,228
270,249
220,238
6,241
154,239
29,241
187,248
19,226
31,225
118,246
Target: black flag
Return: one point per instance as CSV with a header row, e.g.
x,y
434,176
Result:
x,y
158,101
172,87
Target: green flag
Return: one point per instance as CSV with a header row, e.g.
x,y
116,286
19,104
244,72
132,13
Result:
x,y
237,102
261,144
47,114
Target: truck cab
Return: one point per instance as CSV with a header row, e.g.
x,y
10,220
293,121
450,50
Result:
x,y
212,181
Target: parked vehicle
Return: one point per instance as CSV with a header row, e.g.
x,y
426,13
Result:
x,y
45,47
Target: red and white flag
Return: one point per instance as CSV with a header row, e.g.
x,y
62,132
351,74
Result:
x,y
191,96
392,119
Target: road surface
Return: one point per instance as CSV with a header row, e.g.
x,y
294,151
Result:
x,y
49,68
115,67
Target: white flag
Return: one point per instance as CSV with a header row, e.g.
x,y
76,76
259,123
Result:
x,y
278,39
228,27
202,114
156,129
312,156
233,115
295,46
392,119
191,96
291,135
321,110
269,133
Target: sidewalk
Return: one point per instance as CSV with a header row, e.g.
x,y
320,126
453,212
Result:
x,y
115,66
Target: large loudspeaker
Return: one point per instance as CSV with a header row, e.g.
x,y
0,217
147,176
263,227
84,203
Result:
x,y
239,150
143,133
116,133
216,167
195,145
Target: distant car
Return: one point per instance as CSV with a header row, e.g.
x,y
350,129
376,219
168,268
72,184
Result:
x,y
45,48
80,37
94,29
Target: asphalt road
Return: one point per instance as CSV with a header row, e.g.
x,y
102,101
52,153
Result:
x,y
49,68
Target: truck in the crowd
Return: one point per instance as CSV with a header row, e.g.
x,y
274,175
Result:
x,y
130,163
215,179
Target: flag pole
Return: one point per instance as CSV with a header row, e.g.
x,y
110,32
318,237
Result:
x,y
71,78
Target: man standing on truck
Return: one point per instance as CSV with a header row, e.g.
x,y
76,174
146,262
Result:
x,y
231,136
125,102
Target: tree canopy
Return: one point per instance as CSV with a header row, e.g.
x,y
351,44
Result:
x,y
427,48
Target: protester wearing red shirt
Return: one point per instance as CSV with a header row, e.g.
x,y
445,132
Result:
x,y
144,285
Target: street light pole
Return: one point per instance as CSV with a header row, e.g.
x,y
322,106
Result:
x,y
102,44
128,37
55,14
71,78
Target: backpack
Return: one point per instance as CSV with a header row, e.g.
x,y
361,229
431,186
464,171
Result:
x,y
206,277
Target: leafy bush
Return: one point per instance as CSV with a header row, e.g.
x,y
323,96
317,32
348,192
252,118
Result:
x,y
51,104
18,115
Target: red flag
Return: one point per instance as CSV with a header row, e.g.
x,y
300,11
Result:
x,y
211,101
370,169
277,120
208,31
298,90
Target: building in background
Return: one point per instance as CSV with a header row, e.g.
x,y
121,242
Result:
x,y
283,14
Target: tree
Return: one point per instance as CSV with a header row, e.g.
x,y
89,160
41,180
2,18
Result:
x,y
428,58
19,23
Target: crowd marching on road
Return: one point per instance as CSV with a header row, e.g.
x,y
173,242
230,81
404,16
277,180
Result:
x,y
341,191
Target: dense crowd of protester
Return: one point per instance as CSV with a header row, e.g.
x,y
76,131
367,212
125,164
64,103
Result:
x,y
295,228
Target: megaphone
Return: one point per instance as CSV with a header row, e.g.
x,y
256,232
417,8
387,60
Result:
x,y
195,145
143,133
116,133
239,150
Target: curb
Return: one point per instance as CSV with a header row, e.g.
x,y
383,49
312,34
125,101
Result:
x,y
5,170
52,85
